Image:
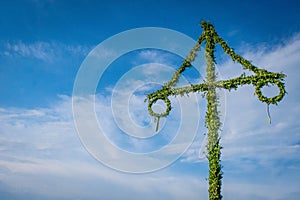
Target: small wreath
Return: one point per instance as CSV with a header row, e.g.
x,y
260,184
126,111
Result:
x,y
163,114
270,100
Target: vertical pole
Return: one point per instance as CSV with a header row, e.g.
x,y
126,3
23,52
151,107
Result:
x,y
212,119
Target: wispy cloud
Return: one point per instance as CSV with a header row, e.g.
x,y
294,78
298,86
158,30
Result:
x,y
154,56
41,153
41,50
157,56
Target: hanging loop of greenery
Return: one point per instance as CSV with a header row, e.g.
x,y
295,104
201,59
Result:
x,y
260,78
163,114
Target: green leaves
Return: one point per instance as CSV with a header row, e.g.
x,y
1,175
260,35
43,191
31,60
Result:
x,y
260,79
209,35
163,97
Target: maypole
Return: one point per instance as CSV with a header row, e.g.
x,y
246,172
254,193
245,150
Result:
x,y
260,79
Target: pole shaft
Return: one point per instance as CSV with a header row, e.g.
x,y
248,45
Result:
x,y
212,122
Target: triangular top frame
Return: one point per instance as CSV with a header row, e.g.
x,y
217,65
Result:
x,y
209,35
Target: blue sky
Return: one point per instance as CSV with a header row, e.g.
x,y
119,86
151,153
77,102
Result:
x,y
44,43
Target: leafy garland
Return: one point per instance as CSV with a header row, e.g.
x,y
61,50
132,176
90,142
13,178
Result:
x,y
260,79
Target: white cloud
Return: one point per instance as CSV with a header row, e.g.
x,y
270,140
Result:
x,y
41,156
243,105
157,56
131,119
235,191
45,51
154,56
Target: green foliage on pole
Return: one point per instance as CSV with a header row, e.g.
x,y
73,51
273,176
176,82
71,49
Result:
x,y
260,79
212,119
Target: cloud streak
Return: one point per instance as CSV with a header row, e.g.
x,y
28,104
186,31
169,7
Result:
x,y
41,50
42,157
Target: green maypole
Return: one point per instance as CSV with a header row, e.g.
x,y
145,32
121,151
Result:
x,y
212,119
260,79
